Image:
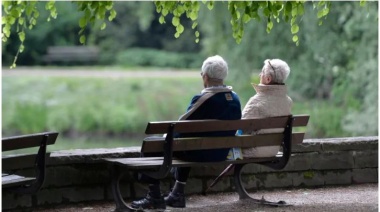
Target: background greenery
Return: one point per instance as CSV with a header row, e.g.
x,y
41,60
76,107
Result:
x,y
334,71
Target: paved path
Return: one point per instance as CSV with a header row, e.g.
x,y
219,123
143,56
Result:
x,y
354,198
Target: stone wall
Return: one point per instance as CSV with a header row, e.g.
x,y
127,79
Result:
x,y
80,175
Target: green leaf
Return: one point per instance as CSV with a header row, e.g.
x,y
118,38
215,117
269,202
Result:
x,y
29,10
82,22
288,7
175,21
210,5
164,12
82,39
103,26
21,20
21,35
266,12
301,10
176,35
195,24
7,31
246,18
15,13
270,25
320,14
293,21
36,14
180,28
11,20
22,47
326,11
295,29
197,40
180,9
294,11
112,15
295,38
161,19
53,14
197,33
193,15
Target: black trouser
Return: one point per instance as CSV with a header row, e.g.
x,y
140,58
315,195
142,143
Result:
x,y
180,173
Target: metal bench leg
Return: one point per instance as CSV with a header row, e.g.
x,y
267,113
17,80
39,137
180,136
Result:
x,y
121,205
243,194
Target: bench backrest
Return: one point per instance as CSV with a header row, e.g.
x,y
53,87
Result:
x,y
72,53
27,141
193,126
20,161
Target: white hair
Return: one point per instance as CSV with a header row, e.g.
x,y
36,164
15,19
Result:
x,y
215,67
277,69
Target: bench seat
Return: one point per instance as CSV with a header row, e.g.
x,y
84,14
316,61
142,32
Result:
x,y
13,180
154,162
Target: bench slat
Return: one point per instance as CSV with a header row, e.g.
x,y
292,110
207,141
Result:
x,y
188,126
181,144
15,180
27,141
146,163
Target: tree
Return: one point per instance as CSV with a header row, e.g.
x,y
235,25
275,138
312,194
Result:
x,y
18,16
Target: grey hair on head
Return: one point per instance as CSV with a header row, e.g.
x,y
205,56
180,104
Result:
x,y
277,69
215,67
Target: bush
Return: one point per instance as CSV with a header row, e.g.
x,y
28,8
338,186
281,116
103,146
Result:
x,y
136,57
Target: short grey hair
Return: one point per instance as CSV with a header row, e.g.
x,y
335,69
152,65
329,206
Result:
x,y
215,67
277,69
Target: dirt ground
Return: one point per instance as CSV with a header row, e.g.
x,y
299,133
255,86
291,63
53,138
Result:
x,y
355,198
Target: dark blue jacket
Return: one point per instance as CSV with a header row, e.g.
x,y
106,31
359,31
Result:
x,y
222,106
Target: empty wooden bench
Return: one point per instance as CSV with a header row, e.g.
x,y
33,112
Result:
x,y
67,54
159,167
11,163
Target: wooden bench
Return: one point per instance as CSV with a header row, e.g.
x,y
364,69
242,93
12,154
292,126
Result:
x,y
10,163
66,54
159,167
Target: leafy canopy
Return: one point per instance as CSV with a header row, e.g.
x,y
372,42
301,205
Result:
x,y
21,15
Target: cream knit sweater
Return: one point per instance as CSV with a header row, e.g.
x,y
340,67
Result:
x,y
269,101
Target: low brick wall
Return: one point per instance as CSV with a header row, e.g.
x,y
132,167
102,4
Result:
x,y
80,175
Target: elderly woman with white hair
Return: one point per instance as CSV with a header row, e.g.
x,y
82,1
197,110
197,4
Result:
x,y
216,101
270,100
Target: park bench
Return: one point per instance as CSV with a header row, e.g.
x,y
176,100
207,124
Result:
x,y
12,182
159,167
67,54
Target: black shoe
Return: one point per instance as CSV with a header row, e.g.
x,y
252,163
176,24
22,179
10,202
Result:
x,y
175,200
149,202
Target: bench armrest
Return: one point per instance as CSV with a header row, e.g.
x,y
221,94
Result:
x,y
164,169
286,144
40,163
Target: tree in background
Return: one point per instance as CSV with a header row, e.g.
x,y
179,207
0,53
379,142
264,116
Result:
x,y
23,15
336,62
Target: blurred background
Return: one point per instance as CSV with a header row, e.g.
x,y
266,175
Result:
x,y
104,95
